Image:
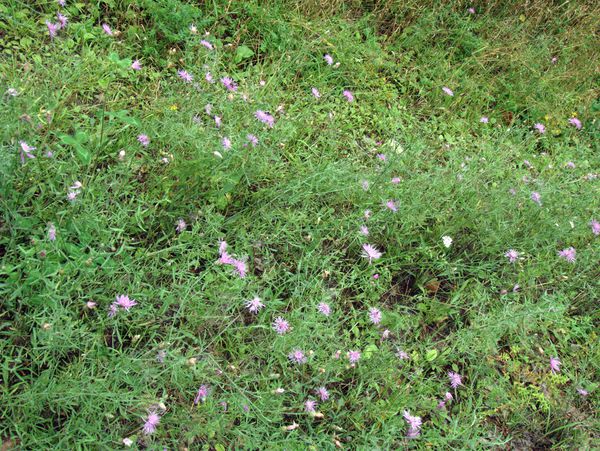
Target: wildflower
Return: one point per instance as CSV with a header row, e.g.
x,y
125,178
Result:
x,y
91,305
595,225
583,392
442,403
62,3
447,241
537,198
555,365
62,20
324,308
185,76
201,395
364,230
229,83
12,92
25,151
280,325
112,310
218,121
484,120
512,255
328,59
310,406
121,155
206,44
455,379
180,225
382,156
367,214
226,142
540,128
396,180
127,442
51,232
570,165
391,205
209,78
262,83
569,254
316,93
554,60
136,65
414,424
348,94
151,423
365,185
254,305
72,195
143,140
107,29
576,122
52,29
371,252
193,29
253,140
323,393
385,334
297,356
375,315
265,118
448,91
527,164
375,276
124,302
160,356
353,356
279,391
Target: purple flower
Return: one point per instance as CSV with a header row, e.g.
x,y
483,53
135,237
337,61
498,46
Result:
x,y
512,255
265,118
364,230
297,356
323,393
583,392
595,225
555,365
554,60
209,78
201,395
324,308
136,65
112,310
371,252
253,140
280,325
448,91
414,424
402,355
124,302
382,156
569,254
570,165
391,205
328,59
72,195
52,29
316,93
540,128
62,3
206,44
396,180
143,140
151,423
455,379
51,232
226,142
180,225
353,356
537,198
229,83
25,151
310,406
375,315
254,305
484,120
185,76
62,20
576,122
218,121
107,29
471,10
348,94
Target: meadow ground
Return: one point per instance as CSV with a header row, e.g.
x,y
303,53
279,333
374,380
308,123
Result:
x,y
244,225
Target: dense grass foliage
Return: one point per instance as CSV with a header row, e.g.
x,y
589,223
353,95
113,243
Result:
x,y
413,227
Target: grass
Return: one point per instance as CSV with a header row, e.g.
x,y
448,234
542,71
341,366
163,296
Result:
x,y
291,207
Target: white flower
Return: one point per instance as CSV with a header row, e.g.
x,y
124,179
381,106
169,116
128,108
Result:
x,y
127,442
447,241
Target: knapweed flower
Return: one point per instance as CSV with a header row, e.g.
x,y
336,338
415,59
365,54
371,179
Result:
x,y
414,424
151,423
226,142
348,94
322,393
62,3
201,395
328,59
91,305
252,140
297,356
310,406
575,122
62,20
52,29
180,225
136,65
353,356
569,254
185,76
448,91
324,308
123,301
583,392
25,151
316,93
375,315
12,92
595,225
161,355
107,29
367,214
537,198
280,325
127,442
218,121
382,156
540,128
265,118
209,78
402,355
512,255
396,180
391,205
442,403
570,165
254,305
229,83
72,195
555,365
364,230
447,241
484,120
455,379
51,232
471,10
371,252
206,44
143,140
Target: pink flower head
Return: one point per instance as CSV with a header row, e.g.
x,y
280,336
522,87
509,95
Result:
x,y
382,156
91,305
26,151
107,29
540,128
402,355
229,83
396,180
537,198
218,121
583,392
569,254
484,120
323,393
570,165
201,395
348,94
143,140
576,122
297,357
455,379
595,225
310,406
471,10
265,118
226,142
280,325
72,195
371,252
209,78
353,356
414,424
52,29
151,423
328,59
554,60
448,91
555,365
324,308
512,255
240,267
316,93
206,44
185,76
62,3
391,205
253,140
62,20
51,232
367,214
136,65
375,315
254,305
124,302
364,230
180,225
